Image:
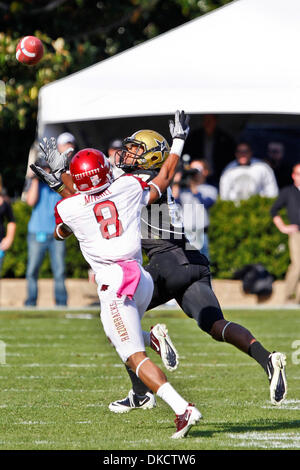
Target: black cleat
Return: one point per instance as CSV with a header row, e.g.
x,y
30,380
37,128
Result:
x,y
133,402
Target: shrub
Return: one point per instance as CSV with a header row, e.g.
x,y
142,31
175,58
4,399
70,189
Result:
x,y
245,234
238,235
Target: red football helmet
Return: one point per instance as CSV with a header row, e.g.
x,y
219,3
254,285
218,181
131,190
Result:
x,y
91,171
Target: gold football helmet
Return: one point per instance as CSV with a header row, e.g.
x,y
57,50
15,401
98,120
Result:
x,y
144,149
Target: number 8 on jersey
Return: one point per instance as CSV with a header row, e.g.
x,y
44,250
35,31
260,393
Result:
x,y
108,218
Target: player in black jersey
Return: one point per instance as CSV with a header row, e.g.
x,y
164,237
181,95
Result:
x,y
177,270
181,272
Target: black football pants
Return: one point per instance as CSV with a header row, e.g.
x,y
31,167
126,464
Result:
x,y
190,284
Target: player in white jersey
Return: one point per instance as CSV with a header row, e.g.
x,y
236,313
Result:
x,y
98,220
105,218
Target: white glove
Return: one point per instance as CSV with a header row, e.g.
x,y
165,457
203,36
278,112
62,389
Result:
x,y
179,128
58,162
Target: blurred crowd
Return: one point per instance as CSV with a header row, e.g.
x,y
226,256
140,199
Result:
x,y
214,166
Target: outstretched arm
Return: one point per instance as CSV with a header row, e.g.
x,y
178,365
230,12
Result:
x,y
179,129
58,162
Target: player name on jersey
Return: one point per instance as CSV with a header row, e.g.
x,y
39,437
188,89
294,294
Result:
x,y
90,198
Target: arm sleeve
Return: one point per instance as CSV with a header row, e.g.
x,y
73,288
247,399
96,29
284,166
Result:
x,y
279,203
9,213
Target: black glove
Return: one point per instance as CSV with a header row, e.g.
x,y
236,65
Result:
x,y
47,178
58,162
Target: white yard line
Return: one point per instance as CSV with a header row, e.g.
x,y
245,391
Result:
x,y
36,364
54,390
208,364
286,405
267,440
86,405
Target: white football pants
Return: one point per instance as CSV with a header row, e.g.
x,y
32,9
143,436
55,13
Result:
x,y
121,317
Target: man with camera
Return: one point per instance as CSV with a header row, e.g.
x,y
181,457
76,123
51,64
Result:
x,y
195,197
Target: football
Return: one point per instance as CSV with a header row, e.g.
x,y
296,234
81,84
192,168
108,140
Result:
x,y
29,50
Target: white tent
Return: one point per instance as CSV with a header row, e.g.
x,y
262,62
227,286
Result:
x,y
241,58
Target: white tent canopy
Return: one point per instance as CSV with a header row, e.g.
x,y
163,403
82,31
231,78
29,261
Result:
x,y
241,58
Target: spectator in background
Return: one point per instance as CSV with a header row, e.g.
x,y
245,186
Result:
x,y
7,234
114,145
65,141
275,158
247,176
289,198
32,157
40,239
213,144
195,197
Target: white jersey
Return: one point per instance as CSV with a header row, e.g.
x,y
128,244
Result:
x,y
107,225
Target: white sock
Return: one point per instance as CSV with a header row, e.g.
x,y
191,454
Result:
x,y
167,393
146,336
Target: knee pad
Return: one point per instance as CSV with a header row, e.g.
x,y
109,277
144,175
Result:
x,y
199,302
208,316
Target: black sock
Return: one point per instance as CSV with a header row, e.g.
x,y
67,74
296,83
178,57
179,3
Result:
x,y
137,385
259,353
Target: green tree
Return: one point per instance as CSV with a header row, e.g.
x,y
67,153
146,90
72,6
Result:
x,y
75,34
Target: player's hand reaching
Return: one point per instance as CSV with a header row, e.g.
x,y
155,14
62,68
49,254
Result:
x,y
58,162
48,178
179,128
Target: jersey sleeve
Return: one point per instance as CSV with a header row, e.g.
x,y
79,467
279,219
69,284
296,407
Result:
x,y
144,186
58,219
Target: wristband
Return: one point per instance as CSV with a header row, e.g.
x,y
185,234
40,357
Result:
x,y
57,232
177,146
60,188
156,187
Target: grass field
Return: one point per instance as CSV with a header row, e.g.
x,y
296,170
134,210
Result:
x,y
60,375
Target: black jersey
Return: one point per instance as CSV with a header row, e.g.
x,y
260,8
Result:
x,y
161,225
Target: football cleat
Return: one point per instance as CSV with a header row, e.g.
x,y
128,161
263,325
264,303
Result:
x,y
161,342
185,421
133,402
276,373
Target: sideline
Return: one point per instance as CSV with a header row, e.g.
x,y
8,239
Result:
x,y
164,307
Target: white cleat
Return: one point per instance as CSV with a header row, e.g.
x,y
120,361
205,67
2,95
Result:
x,y
161,342
276,373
